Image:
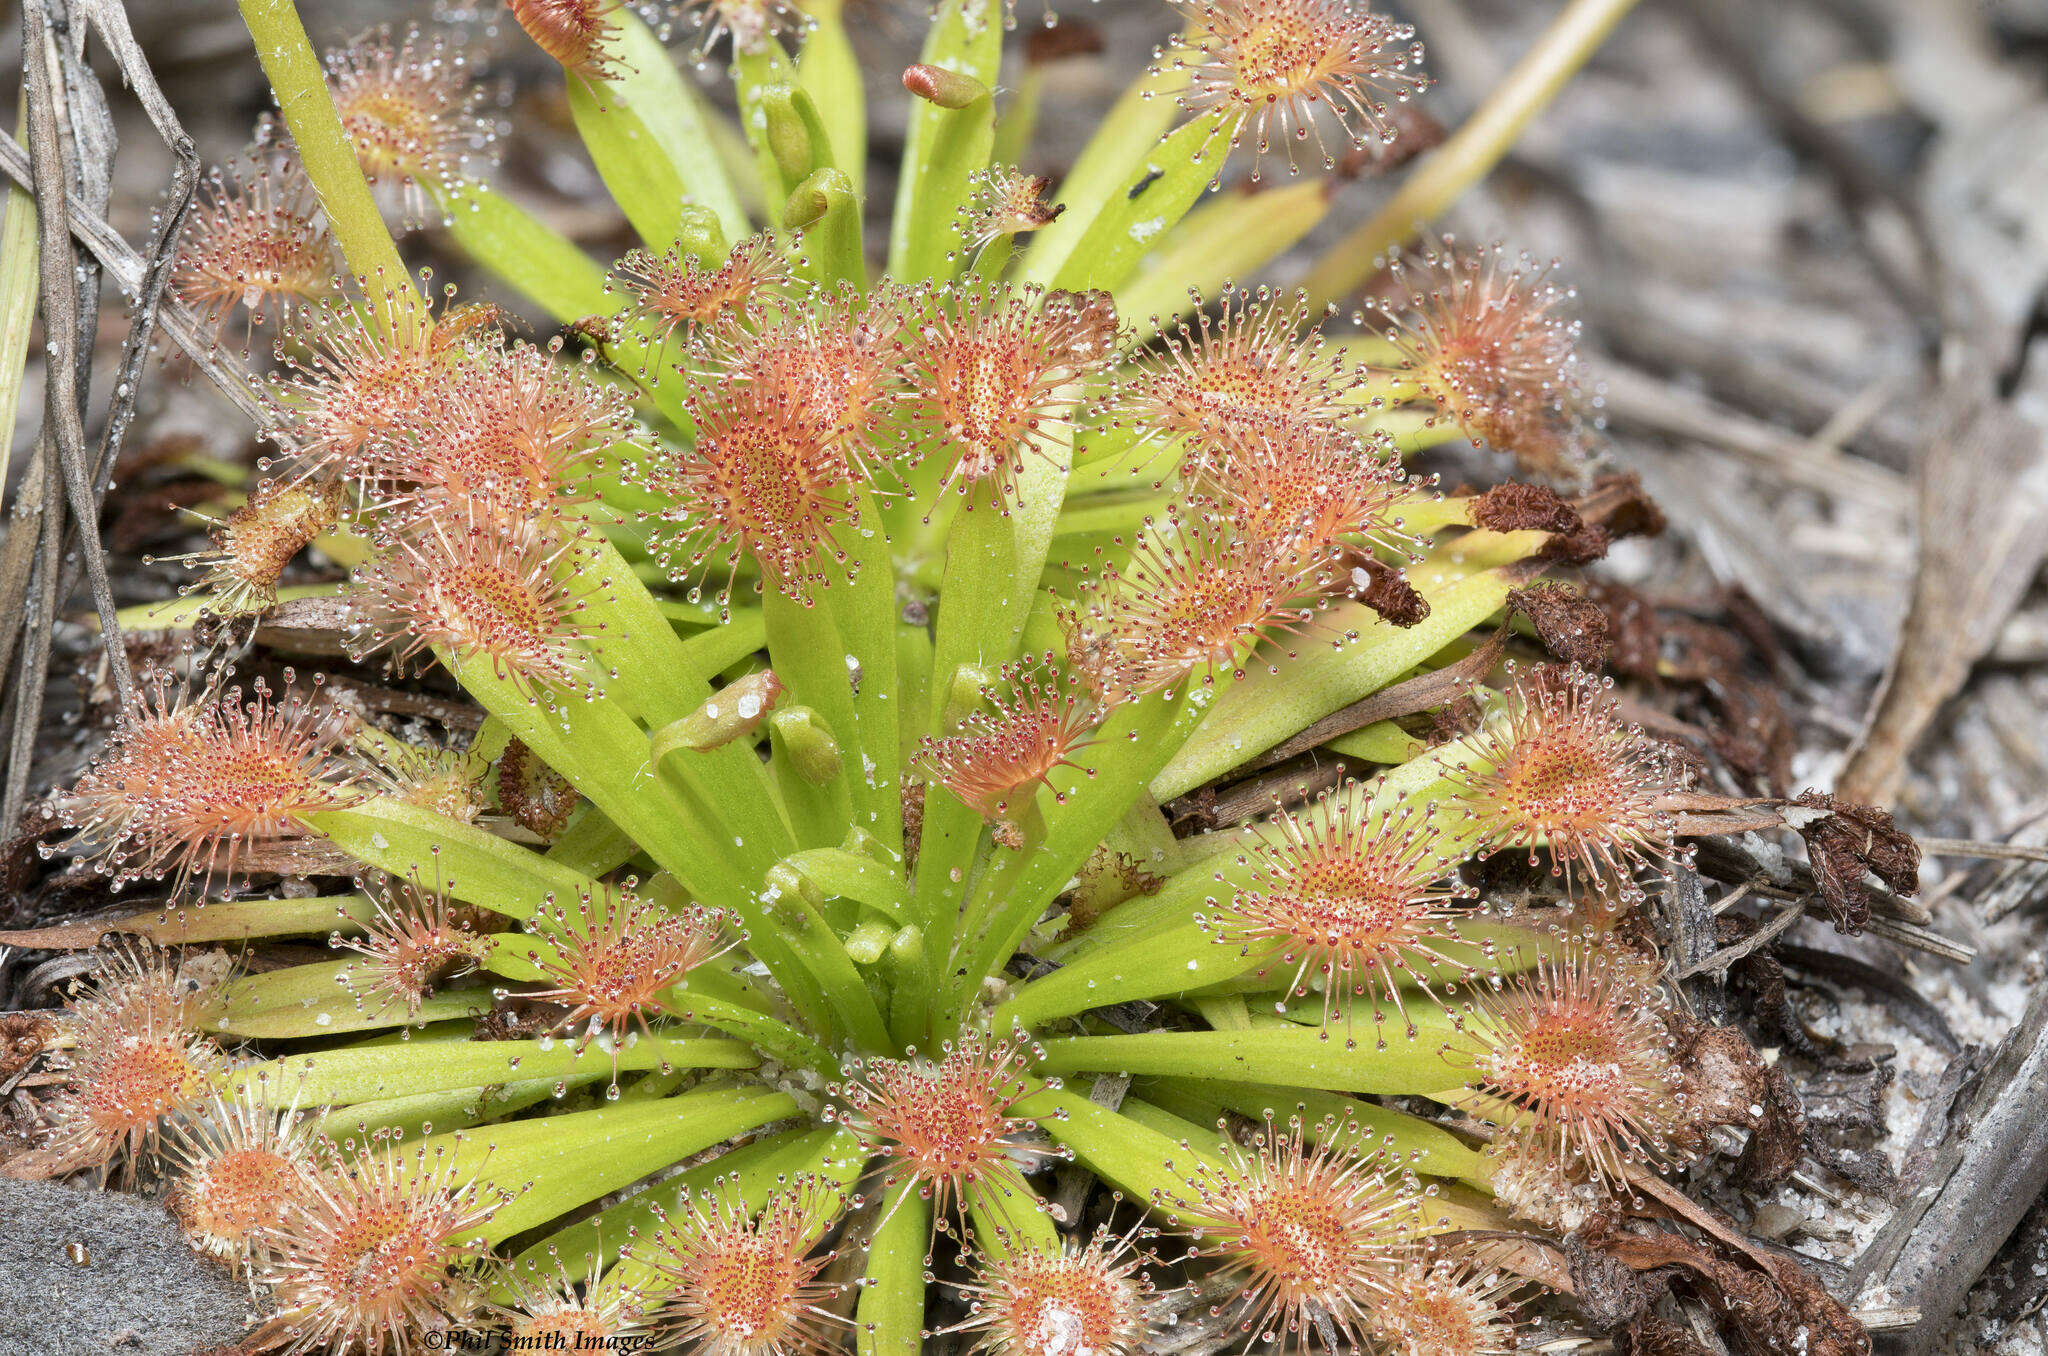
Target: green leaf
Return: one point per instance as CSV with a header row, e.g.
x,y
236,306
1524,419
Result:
x,y
472,865
730,798
184,612
1287,1056
911,988
592,844
532,258
830,72
811,942
1233,237
1132,223
299,84
837,653
752,1171
848,875
715,649
642,181
20,280
310,1000
765,1033
809,771
1206,1134
995,552
654,123
556,1163
1382,742
781,124
338,1077
1174,960
889,1317
627,630
1122,140
216,921
1487,948
1108,775
1168,943
606,756
641,1214
993,558
1223,1012
1328,1115
1007,1223
948,842
825,211
946,147
808,655
865,615
1104,517
1266,708
1149,1167
1210,867
425,1113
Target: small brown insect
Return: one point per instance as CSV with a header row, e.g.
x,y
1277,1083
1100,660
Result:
x,y
78,1254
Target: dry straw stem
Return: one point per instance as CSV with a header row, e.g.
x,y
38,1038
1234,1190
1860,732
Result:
x,y
63,400
72,325
19,280
17,304
128,269
1488,135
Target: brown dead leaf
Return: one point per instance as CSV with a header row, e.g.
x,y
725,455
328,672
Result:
x,y
1770,1307
1653,1335
1727,1082
1608,1291
513,1018
1450,685
1845,843
22,1036
1620,504
1386,591
1571,626
1516,507
315,628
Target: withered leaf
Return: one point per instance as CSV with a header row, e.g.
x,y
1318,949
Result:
x,y
1571,626
1849,840
22,1036
1654,1335
1728,1083
1609,1293
1516,507
1386,591
1765,1309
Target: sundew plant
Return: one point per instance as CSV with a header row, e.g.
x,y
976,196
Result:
x,y
798,956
